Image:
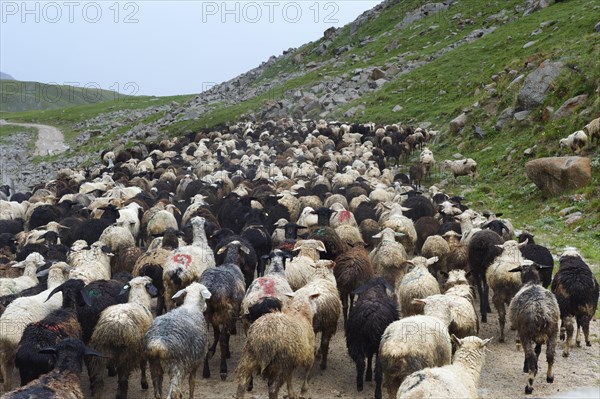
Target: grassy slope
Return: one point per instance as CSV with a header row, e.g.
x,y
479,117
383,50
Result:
x,y
17,96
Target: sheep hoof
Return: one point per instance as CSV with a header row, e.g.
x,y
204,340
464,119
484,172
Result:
x,y
588,343
562,336
578,344
565,354
528,390
323,366
549,379
525,369
223,376
144,384
359,388
501,339
206,373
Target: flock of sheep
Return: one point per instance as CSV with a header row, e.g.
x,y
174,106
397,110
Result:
x,y
288,226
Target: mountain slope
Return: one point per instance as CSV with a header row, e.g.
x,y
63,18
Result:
x,y
17,96
5,76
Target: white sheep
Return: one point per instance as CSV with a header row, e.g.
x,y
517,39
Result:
x,y
11,210
178,340
456,381
129,217
427,160
119,335
417,283
388,256
301,268
415,342
328,305
461,167
503,283
117,238
91,265
593,130
15,285
576,141
187,263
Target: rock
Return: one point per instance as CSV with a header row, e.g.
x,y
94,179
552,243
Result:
x,y
521,115
574,219
339,99
442,92
458,123
597,27
564,212
569,106
380,82
397,108
547,113
504,117
529,151
377,74
556,175
515,81
529,44
536,5
457,155
537,85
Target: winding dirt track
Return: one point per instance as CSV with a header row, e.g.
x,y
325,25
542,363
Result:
x,y
50,139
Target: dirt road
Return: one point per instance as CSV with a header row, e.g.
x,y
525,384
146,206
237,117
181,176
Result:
x,y
50,140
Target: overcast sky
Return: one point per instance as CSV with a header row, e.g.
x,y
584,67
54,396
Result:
x,y
157,47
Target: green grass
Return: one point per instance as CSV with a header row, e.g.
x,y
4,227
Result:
x,y
9,130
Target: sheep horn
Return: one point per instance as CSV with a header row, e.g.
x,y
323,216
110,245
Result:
x,y
516,269
54,291
91,352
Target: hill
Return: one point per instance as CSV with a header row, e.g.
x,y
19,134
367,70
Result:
x,y
421,64
5,76
17,96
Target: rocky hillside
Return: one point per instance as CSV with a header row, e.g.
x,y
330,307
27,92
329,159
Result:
x,y
5,76
502,81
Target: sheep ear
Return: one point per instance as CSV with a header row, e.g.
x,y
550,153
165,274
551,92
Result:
x,y
378,235
516,269
521,245
321,246
444,274
298,245
314,296
431,261
54,291
418,301
42,273
179,294
486,341
245,249
86,297
501,246
289,294
91,352
404,209
456,340
205,292
467,274
48,351
125,289
399,234
221,250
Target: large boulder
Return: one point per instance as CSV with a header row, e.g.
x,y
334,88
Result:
x,y
569,106
538,84
556,175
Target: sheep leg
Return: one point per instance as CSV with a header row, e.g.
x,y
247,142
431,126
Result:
x,y
224,345
274,389
378,376
307,369
123,382
578,333
531,360
482,298
344,298
144,377
160,305
568,323
7,371
324,349
175,375
585,326
360,373
369,376
156,372
550,352
211,352
192,382
499,305
96,368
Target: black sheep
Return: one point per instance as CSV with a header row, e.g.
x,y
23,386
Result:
x,y
256,234
538,254
49,331
14,226
482,251
425,227
365,210
91,230
63,380
576,290
419,207
374,309
248,262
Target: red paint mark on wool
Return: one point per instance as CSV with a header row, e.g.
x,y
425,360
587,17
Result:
x,y
267,285
183,259
344,216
